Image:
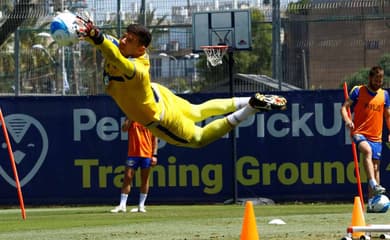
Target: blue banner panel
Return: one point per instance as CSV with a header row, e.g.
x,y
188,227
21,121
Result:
x,y
71,150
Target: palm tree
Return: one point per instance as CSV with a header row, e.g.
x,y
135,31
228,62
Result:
x,y
23,12
150,16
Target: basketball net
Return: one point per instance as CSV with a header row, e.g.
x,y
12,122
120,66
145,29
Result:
x,y
214,54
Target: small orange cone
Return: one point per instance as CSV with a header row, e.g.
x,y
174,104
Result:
x,y
357,217
249,228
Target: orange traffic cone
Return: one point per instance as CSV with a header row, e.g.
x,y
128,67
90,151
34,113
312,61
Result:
x,y
357,217
249,228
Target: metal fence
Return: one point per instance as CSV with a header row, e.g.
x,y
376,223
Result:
x,y
320,44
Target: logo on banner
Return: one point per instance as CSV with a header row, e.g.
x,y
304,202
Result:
x,y
29,143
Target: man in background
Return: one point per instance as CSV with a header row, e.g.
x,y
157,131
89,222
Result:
x,y
142,153
370,103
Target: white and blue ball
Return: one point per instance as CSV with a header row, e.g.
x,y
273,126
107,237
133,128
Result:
x,y
380,203
63,29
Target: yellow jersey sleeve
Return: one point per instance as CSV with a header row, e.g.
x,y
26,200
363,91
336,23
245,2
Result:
x,y
127,81
112,54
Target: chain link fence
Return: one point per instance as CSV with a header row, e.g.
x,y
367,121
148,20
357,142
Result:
x,y
322,44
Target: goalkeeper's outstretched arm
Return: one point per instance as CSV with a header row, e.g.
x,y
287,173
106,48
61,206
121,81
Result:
x,y
89,32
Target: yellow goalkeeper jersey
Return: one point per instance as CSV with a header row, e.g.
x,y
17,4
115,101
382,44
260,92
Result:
x,y
166,115
128,83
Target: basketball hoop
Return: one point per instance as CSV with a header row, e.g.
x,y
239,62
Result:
x,y
214,54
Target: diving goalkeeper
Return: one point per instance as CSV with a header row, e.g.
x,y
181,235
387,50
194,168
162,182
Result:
x,y
169,117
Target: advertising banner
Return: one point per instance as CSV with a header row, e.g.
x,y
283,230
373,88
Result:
x,y
72,150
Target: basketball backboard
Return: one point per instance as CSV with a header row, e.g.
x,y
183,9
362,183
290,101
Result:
x,y
232,28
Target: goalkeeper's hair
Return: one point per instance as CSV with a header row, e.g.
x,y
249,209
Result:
x,y
144,35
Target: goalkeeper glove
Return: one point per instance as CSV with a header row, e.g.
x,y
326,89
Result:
x,y
86,28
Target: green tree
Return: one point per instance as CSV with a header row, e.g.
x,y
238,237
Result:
x,y
299,7
150,17
361,76
384,62
358,78
257,61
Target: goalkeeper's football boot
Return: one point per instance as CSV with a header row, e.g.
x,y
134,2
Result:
x,y
378,189
118,209
268,102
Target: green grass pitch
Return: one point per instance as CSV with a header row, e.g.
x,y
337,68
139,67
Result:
x,y
177,222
